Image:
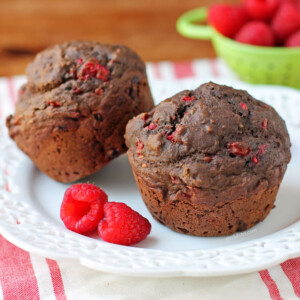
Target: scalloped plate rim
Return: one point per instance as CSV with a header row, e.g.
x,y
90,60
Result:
x,y
87,262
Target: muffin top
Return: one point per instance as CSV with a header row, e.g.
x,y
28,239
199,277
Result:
x,y
74,76
80,61
214,137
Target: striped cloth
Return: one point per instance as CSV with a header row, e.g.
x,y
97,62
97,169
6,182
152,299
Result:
x,y
25,275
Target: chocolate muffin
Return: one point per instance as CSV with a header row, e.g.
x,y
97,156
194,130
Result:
x,y
71,114
209,162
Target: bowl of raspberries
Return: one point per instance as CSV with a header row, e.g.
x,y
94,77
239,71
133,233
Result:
x,y
258,39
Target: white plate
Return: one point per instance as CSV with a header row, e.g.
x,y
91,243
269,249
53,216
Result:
x,y
29,213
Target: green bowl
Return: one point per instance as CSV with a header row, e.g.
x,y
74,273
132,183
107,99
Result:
x,y
254,64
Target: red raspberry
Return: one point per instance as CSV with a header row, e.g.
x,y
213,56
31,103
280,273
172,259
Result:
x,y
286,21
152,126
82,207
93,69
256,33
139,147
238,149
261,9
262,149
188,99
293,40
171,137
259,153
243,106
79,61
227,19
264,123
296,3
98,91
53,103
122,225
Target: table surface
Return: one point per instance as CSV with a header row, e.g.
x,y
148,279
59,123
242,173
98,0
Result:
x,y
148,26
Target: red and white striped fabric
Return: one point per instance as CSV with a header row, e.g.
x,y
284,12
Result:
x,y
25,275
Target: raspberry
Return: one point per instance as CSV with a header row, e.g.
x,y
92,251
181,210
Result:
x,y
261,9
293,40
122,225
262,149
93,69
152,126
139,147
238,149
79,61
296,3
98,91
264,124
227,19
171,137
243,106
82,207
255,160
77,90
256,33
188,99
259,153
53,103
286,21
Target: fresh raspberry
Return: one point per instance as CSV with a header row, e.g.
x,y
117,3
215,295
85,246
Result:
x,y
122,225
227,19
256,33
286,21
293,40
261,9
82,207
296,3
